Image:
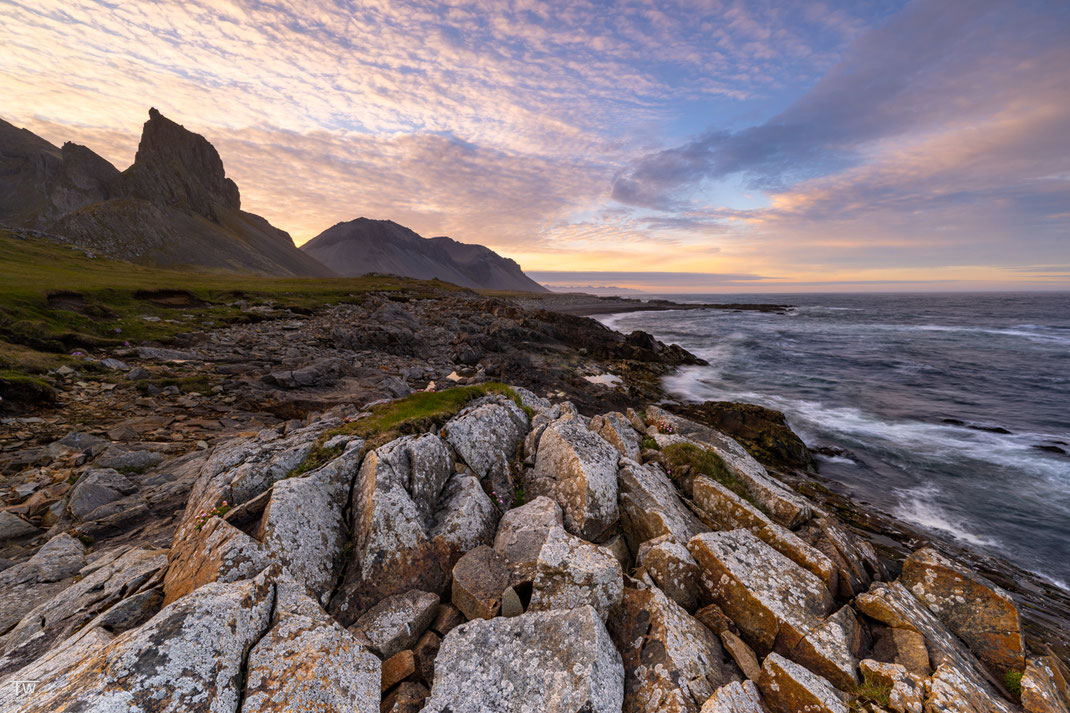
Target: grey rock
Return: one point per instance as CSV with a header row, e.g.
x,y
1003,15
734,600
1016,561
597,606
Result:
x,y
396,623
13,527
486,437
735,697
673,569
97,487
553,662
650,507
618,432
521,534
571,573
122,458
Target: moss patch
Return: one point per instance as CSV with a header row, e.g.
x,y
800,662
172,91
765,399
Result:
x,y
872,691
1013,681
704,462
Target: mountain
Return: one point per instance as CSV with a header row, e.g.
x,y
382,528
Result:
x,y
360,246
174,206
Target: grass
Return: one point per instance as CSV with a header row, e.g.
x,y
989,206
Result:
x,y
55,300
1013,681
648,443
875,692
418,413
704,462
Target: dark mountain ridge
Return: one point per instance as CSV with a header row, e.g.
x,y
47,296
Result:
x,y
173,206
364,245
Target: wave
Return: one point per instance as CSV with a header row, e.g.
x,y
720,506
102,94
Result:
x,y
1037,334
920,506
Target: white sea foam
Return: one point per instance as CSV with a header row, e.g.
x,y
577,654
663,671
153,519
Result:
x,y
921,507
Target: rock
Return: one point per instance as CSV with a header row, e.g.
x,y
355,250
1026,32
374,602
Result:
x,y
138,373
97,487
397,622
742,654
831,650
857,564
787,687
762,431
571,573
13,527
977,611
128,459
671,661
906,692
308,662
578,470
466,519
521,534
397,668
1044,689
618,547
207,635
904,647
618,432
393,509
650,507
303,527
959,676
424,652
784,506
84,442
59,558
511,604
218,552
105,582
735,697
486,437
673,569
479,579
560,661
724,510
771,599
408,697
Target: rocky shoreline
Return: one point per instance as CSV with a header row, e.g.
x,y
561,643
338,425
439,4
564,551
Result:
x,y
582,304
346,510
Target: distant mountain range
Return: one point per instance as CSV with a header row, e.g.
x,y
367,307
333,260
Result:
x,y
174,206
360,246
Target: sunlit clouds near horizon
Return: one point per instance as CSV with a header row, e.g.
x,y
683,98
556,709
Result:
x,y
660,146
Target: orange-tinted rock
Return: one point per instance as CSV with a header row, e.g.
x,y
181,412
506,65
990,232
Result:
x,y
397,668
742,654
479,578
408,697
906,692
904,647
217,552
735,697
977,611
832,649
1044,688
787,687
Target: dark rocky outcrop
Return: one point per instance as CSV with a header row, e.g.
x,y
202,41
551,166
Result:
x,y
363,246
762,431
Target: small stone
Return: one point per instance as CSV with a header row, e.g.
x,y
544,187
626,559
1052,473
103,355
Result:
x,y
408,697
715,619
397,668
742,654
397,622
425,651
479,579
511,604
735,697
447,618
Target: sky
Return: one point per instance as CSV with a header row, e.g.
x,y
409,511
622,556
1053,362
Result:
x,y
707,146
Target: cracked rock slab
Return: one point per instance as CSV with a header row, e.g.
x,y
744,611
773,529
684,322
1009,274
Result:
x,y
538,662
571,573
789,688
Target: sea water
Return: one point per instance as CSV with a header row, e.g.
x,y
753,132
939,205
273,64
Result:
x,y
949,411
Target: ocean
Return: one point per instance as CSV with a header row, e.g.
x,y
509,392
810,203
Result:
x,y
948,411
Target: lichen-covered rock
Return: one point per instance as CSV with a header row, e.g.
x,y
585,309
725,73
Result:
x,y
486,437
771,599
479,580
959,676
673,569
784,506
787,687
572,573
560,661
904,647
217,552
393,510
521,534
724,510
618,432
466,518
832,649
303,528
397,622
742,654
650,507
906,692
857,564
671,661
308,662
27,584
577,469
735,697
206,636
977,611
1044,689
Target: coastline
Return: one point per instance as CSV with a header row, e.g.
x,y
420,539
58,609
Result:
x,y
585,305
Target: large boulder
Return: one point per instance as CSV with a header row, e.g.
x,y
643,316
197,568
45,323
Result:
x,y
396,623
832,649
572,573
1044,687
578,470
308,662
521,534
977,611
857,564
906,692
735,697
480,578
772,600
650,507
673,569
199,668
762,431
722,509
618,432
789,688
671,661
486,436
560,661
215,552
28,583
97,487
466,517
